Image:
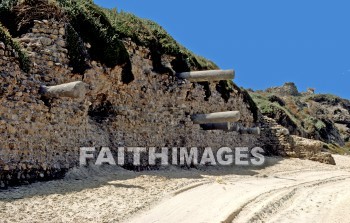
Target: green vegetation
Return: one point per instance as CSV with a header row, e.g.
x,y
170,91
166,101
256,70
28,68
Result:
x,y
22,56
329,99
149,34
103,29
297,115
273,109
309,116
93,26
324,98
337,149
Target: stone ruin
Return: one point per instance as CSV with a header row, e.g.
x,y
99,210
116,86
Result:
x,y
288,89
47,114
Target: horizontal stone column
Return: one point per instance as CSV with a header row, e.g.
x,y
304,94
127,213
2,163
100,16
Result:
x,y
209,75
237,127
252,131
216,126
219,117
231,127
75,89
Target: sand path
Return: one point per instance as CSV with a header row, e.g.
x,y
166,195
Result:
x,y
317,195
285,190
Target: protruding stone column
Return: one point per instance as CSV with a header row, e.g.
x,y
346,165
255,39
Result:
x,y
237,127
231,127
210,75
71,90
216,126
253,131
219,117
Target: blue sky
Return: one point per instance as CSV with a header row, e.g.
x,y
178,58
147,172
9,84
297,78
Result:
x,y
267,42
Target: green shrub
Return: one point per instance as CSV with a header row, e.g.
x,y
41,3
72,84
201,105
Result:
x,y
333,148
22,55
274,98
151,35
320,125
270,109
94,27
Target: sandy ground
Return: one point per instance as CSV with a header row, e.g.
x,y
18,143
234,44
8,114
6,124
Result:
x,y
285,190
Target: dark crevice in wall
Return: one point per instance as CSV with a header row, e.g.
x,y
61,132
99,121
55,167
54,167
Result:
x,y
47,101
78,54
101,109
180,64
247,99
127,75
206,87
223,88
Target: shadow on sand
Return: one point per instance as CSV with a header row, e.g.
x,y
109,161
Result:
x,y
80,179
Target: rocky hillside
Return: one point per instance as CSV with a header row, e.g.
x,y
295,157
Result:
x,y
129,93
322,117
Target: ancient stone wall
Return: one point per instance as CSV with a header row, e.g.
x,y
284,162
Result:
x,y
277,141
8,61
46,47
40,138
